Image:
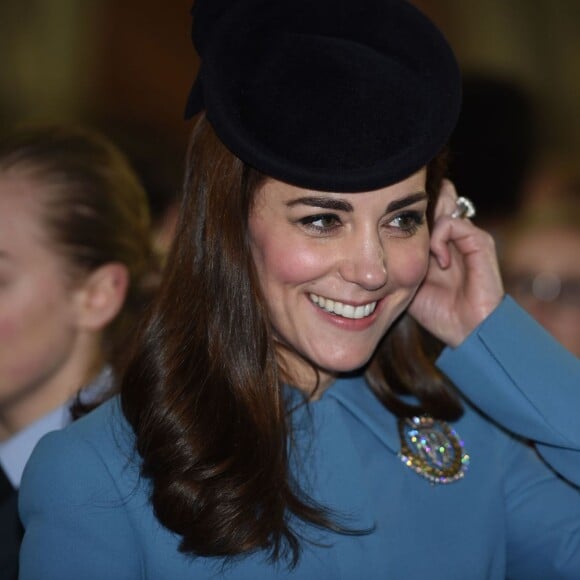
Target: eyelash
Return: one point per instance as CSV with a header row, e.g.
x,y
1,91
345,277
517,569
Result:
x,y
414,219
308,222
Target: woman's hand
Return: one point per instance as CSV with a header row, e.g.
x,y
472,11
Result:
x,y
463,284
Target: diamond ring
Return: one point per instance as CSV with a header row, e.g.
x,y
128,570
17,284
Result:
x,y
464,208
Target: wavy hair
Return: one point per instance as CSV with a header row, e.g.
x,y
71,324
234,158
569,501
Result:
x,y
203,389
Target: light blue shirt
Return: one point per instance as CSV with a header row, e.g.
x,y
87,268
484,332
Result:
x,y
15,451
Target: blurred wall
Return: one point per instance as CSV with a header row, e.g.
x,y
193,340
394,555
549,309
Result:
x,y
46,65
145,62
533,42
117,59
97,61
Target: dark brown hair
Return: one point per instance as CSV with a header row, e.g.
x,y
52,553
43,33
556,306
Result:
x,y
203,392
94,211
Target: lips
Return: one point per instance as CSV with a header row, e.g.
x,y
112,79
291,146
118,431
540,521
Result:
x,y
342,309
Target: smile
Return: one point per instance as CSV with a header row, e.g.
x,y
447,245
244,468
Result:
x,y
344,310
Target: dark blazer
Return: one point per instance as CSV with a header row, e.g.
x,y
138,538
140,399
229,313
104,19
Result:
x,y
11,530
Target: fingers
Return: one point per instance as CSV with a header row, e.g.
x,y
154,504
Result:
x,y
462,233
470,250
451,229
447,198
462,285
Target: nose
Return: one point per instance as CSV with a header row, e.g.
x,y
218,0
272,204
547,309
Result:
x,y
364,260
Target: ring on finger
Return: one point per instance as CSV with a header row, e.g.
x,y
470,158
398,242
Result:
x,y
464,208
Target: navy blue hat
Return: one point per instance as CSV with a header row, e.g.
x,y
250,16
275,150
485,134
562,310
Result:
x,y
333,95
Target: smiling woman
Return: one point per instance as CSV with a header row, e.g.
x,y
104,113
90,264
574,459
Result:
x,y
282,414
335,282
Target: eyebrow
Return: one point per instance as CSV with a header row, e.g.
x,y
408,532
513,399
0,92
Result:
x,y
322,202
342,205
405,201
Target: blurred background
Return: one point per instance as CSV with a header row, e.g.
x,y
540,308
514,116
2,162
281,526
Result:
x,y
130,63
126,67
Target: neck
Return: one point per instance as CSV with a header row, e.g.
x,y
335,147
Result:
x,y
41,397
299,373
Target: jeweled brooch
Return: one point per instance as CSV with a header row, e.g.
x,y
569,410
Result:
x,y
433,449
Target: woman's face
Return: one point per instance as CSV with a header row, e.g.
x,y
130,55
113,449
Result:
x,y
337,269
37,305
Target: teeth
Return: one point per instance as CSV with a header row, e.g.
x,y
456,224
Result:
x,y
344,310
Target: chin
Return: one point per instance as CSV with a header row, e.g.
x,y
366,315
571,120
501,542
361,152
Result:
x,y
349,365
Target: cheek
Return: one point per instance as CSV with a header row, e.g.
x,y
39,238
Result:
x,y
286,262
21,348
35,328
9,326
31,303
18,311
410,267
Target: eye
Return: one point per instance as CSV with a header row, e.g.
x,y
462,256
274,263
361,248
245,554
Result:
x,y
322,223
408,222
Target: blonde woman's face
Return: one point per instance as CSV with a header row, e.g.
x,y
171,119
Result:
x,y
37,304
337,269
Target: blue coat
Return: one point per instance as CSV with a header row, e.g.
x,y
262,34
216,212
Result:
x,y
87,513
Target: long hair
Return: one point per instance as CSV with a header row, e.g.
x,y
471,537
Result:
x,y
93,209
203,390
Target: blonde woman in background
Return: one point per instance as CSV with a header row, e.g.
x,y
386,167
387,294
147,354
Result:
x,y
76,269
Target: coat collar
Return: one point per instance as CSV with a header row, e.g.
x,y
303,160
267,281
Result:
x,y
356,397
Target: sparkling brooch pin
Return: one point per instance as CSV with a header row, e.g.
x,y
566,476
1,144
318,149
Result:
x,y
432,449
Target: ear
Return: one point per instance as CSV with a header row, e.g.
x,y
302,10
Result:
x,y
101,296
